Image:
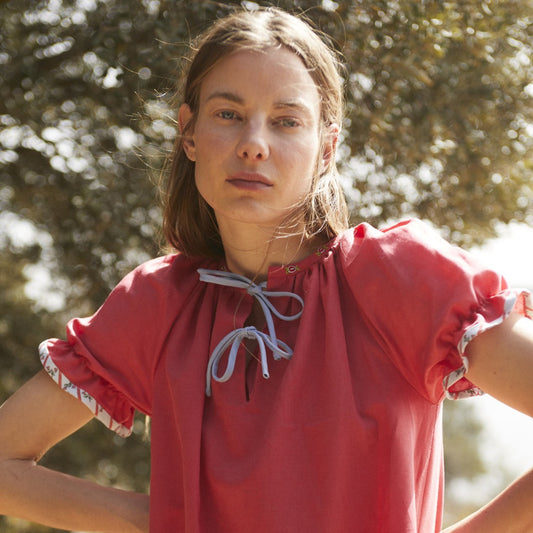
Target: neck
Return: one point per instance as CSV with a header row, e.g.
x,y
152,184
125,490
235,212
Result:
x,y
250,251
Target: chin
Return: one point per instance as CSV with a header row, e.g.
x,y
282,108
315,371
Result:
x,y
251,213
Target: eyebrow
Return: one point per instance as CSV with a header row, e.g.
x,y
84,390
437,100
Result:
x,y
224,95
298,105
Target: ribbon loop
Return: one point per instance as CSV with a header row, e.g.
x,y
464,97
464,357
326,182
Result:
x,y
233,340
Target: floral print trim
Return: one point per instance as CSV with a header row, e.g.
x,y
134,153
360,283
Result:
x,y
511,299
453,377
62,381
292,269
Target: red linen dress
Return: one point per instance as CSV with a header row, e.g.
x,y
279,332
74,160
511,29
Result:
x,y
345,436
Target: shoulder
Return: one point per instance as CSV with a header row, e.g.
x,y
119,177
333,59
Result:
x,y
146,297
159,281
172,270
407,254
401,239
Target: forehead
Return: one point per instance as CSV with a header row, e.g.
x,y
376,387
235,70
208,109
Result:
x,y
270,76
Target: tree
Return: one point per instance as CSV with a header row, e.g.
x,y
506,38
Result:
x,y
438,125
439,110
438,101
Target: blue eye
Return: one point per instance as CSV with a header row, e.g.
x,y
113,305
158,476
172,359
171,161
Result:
x,y
288,123
227,115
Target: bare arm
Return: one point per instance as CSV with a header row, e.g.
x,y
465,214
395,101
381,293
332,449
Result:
x,y
501,363
35,418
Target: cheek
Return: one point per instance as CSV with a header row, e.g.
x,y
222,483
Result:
x,y
207,138
303,157
203,177
210,152
204,186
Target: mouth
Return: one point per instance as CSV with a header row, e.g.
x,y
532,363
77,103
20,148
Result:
x,y
249,181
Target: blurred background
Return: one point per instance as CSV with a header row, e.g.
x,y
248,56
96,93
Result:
x,y
438,126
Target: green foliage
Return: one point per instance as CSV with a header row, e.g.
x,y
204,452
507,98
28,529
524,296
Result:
x,y
437,104
438,125
18,334
463,463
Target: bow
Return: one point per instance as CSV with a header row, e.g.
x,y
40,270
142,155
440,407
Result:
x,y
235,338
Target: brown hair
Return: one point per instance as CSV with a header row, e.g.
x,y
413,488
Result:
x,y
189,223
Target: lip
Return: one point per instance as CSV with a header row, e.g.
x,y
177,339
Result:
x,y
249,181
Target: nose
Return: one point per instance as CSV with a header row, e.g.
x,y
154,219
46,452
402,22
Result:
x,y
253,144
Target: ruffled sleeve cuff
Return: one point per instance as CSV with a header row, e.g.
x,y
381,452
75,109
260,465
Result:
x,y
122,428
455,384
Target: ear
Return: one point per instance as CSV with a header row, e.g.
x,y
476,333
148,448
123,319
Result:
x,y
185,116
331,136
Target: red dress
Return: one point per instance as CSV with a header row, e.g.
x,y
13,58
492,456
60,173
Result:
x,y
345,436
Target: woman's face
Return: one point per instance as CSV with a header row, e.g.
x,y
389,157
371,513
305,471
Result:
x,y
256,138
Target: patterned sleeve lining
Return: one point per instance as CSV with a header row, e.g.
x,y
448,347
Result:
x,y
62,381
512,297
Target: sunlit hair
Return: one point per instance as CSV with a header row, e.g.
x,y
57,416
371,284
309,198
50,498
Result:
x,y
189,223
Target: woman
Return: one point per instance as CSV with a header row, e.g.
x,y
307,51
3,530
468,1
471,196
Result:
x,y
293,368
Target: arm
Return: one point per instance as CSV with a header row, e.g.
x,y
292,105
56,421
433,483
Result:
x,y
35,418
501,363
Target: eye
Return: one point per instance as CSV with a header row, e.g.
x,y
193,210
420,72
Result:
x,y
227,115
288,122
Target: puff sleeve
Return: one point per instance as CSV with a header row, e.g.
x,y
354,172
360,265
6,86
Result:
x,y
425,300
108,360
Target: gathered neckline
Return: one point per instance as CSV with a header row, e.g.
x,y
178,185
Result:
x,y
319,254
289,269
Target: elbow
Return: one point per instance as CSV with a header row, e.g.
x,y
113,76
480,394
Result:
x,y
15,481
12,475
